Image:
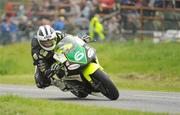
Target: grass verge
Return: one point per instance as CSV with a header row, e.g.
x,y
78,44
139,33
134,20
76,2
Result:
x,y
13,105
17,79
132,82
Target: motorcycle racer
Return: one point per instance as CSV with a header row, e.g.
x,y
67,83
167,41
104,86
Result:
x,y
73,61
42,46
42,51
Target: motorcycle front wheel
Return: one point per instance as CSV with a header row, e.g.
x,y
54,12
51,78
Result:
x,y
106,86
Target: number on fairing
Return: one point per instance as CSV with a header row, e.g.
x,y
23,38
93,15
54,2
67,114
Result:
x,y
78,56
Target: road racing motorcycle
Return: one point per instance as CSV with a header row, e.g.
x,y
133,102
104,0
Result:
x,y
83,73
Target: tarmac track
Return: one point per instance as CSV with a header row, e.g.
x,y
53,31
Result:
x,y
151,101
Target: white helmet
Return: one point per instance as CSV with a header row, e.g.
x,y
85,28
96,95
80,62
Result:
x,y
47,37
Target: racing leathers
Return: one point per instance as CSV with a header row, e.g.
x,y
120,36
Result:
x,y
44,63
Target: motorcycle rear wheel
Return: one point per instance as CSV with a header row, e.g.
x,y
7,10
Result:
x,y
107,88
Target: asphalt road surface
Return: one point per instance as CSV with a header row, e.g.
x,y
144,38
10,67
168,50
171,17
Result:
x,y
168,102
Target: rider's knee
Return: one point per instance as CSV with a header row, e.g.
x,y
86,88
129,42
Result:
x,y
41,81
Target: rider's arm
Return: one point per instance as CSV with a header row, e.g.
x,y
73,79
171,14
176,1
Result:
x,y
60,34
42,66
39,61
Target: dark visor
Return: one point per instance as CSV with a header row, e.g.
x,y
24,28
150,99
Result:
x,y
48,43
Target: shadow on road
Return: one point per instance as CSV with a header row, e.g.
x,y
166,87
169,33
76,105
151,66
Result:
x,y
76,99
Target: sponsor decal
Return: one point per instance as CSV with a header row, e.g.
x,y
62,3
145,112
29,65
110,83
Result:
x,y
43,52
40,57
35,56
60,57
73,66
90,53
78,56
67,63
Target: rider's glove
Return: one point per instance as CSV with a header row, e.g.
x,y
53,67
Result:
x,y
61,34
55,67
86,38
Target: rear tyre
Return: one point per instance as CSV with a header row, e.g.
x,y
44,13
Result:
x,y
106,87
79,94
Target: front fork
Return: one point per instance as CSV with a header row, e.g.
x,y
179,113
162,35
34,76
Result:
x,y
90,69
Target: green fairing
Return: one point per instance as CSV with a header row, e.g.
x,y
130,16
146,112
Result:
x,y
78,55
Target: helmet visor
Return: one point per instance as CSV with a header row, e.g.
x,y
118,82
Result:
x,y
48,43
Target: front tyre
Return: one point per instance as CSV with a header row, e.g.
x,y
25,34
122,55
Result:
x,y
106,86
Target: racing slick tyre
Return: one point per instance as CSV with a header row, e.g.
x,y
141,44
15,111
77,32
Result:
x,y
105,85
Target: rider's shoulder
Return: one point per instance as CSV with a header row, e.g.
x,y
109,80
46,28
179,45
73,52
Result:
x,y
34,42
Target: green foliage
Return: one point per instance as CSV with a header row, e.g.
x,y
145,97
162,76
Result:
x,y
13,105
